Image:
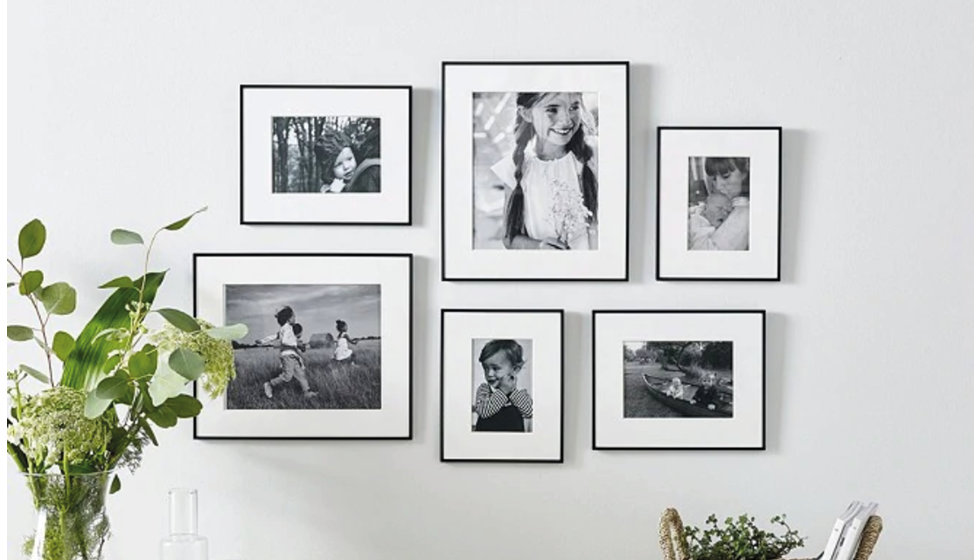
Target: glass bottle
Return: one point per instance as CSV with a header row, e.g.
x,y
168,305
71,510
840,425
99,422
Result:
x,y
183,543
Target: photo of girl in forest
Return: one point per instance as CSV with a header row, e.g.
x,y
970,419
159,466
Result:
x,y
326,154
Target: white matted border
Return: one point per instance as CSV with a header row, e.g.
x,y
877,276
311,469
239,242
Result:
x,y
763,145
392,104
393,272
545,327
460,80
746,428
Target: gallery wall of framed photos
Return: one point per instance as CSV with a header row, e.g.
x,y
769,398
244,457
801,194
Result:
x,y
715,169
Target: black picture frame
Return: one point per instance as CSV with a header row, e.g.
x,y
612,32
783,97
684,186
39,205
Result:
x,y
625,274
442,371
660,276
410,334
406,221
654,312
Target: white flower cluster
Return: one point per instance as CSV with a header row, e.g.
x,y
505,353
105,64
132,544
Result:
x,y
568,211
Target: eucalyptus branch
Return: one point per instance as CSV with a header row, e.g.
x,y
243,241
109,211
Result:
x,y
42,322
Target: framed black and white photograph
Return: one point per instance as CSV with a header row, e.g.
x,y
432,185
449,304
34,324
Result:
x,y
326,154
678,379
527,192
718,203
328,355
502,385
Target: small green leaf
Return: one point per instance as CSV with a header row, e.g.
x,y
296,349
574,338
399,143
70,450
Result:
x,y
30,281
58,298
183,221
111,388
125,237
163,417
62,344
189,364
143,363
116,485
228,332
31,238
94,405
184,406
19,333
120,282
111,363
148,431
42,377
179,319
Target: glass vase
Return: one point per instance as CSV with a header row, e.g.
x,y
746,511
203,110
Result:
x,y
71,517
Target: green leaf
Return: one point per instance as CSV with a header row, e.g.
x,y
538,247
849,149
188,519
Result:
x,y
184,406
62,344
166,382
19,333
163,417
95,406
31,238
125,237
112,388
143,363
189,364
83,369
116,485
42,377
179,319
120,282
228,332
58,298
148,431
183,221
30,281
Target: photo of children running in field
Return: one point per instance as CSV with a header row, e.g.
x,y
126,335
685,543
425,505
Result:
x,y
313,365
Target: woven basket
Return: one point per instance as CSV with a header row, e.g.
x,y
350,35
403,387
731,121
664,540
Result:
x,y
674,545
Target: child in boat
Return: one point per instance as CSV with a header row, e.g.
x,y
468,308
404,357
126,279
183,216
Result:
x,y
675,389
707,394
500,405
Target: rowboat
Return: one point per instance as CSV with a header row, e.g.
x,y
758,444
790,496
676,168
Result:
x,y
682,406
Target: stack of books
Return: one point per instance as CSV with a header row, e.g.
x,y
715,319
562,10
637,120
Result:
x,y
846,534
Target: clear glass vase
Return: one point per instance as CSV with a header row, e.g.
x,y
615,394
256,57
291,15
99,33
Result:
x,y
71,516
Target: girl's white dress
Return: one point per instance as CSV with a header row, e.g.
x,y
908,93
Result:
x,y
342,351
541,180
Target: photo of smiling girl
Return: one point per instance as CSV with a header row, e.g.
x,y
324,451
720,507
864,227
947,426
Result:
x,y
535,170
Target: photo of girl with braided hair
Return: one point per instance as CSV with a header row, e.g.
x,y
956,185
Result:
x,y
536,170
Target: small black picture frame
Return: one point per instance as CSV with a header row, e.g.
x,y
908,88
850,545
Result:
x,y
285,131
474,201
391,311
705,231
468,337
631,405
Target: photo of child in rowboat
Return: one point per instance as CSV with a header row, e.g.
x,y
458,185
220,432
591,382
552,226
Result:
x,y
678,379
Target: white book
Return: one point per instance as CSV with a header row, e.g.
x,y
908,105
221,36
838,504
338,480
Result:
x,y
854,531
837,533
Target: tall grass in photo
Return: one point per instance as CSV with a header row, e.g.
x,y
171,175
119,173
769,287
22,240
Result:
x,y
350,384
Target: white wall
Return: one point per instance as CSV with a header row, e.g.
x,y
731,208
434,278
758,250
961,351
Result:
x,y
126,114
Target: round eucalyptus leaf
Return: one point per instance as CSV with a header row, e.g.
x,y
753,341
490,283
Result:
x,y
125,237
111,388
58,298
62,344
31,238
184,406
179,319
189,364
19,333
30,281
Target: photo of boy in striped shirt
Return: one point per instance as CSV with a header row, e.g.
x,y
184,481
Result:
x,y
503,401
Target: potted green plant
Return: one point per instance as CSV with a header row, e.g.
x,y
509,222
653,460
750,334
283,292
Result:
x,y
121,378
740,539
